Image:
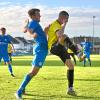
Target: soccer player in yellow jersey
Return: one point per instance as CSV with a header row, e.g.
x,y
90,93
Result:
x,y
10,51
56,41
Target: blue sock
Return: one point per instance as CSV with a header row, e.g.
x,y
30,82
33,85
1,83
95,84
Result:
x,y
24,83
10,68
84,62
89,61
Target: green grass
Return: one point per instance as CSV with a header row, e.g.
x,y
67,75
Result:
x,y
51,83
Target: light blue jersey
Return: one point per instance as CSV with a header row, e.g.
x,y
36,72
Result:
x,y
40,50
4,41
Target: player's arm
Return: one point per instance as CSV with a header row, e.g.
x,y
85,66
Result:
x,y
26,25
46,29
31,33
60,32
12,47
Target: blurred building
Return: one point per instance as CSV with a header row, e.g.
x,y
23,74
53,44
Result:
x,y
25,46
95,41
22,46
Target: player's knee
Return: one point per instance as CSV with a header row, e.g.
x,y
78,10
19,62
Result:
x,y
8,63
69,64
34,72
61,40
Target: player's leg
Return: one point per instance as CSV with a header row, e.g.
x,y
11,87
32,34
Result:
x,y
25,81
0,58
59,50
10,57
10,68
6,59
73,56
36,65
74,48
70,44
84,62
70,72
89,61
70,77
88,57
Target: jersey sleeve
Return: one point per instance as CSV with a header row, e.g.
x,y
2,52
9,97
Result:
x,y
9,38
56,28
32,26
91,45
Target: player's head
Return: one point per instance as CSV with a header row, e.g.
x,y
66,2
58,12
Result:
x,y
34,14
63,16
3,30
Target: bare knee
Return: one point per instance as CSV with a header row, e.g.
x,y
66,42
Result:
x,y
69,64
34,71
8,63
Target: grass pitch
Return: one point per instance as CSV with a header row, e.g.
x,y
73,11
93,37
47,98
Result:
x,y
51,82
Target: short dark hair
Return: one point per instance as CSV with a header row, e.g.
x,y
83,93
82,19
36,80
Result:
x,y
64,13
33,11
2,28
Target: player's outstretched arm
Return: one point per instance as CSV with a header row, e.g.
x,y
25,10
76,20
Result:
x,y
26,24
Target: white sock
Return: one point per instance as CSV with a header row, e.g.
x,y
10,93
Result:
x,y
70,89
79,54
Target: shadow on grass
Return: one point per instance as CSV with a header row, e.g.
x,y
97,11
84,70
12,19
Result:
x,y
28,63
88,80
60,97
49,63
93,64
64,78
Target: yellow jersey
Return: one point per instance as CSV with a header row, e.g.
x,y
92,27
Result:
x,y
10,48
52,37
69,51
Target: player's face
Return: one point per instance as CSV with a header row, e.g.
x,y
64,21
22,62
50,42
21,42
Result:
x,y
3,31
64,19
37,16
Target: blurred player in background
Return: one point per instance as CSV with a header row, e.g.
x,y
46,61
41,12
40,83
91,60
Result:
x,y
4,41
87,50
10,51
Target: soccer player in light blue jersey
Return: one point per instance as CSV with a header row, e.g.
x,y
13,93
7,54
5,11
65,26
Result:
x,y
4,41
40,50
87,50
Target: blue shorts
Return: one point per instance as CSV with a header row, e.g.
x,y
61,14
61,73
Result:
x,y
39,58
5,57
87,54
